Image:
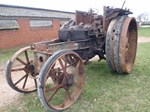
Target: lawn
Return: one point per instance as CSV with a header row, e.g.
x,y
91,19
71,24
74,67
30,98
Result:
x,y
6,54
104,91
144,31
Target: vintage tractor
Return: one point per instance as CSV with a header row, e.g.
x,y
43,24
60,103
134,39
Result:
x,y
56,68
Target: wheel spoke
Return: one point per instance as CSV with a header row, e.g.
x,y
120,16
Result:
x,y
17,69
21,61
63,67
20,79
26,78
27,58
65,64
54,76
76,68
52,95
73,63
64,59
78,64
54,88
68,94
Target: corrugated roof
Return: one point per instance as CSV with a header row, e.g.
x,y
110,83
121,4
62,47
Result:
x,y
18,11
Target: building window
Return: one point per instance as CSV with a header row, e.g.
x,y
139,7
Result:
x,y
9,25
40,24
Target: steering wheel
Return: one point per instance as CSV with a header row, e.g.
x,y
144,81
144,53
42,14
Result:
x,y
93,10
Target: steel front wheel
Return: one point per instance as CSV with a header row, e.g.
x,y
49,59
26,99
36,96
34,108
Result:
x,y
121,44
20,71
61,81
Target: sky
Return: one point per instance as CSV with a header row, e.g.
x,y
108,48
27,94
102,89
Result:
x,y
136,6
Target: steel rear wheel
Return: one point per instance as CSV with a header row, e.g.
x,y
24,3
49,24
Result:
x,y
110,44
121,44
61,81
20,71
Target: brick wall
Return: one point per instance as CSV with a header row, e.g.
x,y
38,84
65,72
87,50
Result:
x,y
26,35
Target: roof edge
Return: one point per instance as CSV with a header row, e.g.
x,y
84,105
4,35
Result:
x,y
31,8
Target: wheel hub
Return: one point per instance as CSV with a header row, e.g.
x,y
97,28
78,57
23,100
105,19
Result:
x,y
30,68
68,81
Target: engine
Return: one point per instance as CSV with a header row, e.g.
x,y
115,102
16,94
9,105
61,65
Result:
x,y
74,33
86,28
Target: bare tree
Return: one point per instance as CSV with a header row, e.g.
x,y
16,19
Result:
x,y
143,17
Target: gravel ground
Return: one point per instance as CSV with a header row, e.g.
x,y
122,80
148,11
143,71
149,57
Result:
x,y
8,95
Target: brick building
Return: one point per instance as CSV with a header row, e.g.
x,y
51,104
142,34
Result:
x,y
23,25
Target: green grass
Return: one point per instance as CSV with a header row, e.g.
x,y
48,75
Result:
x,y
6,54
104,91
144,31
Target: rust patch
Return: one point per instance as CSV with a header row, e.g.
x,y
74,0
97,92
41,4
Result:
x,y
128,44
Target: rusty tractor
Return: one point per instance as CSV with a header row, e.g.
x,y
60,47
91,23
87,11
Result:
x,y
56,68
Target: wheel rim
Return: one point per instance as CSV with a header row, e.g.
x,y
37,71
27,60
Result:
x,y
128,45
20,71
110,44
117,43
63,81
121,44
